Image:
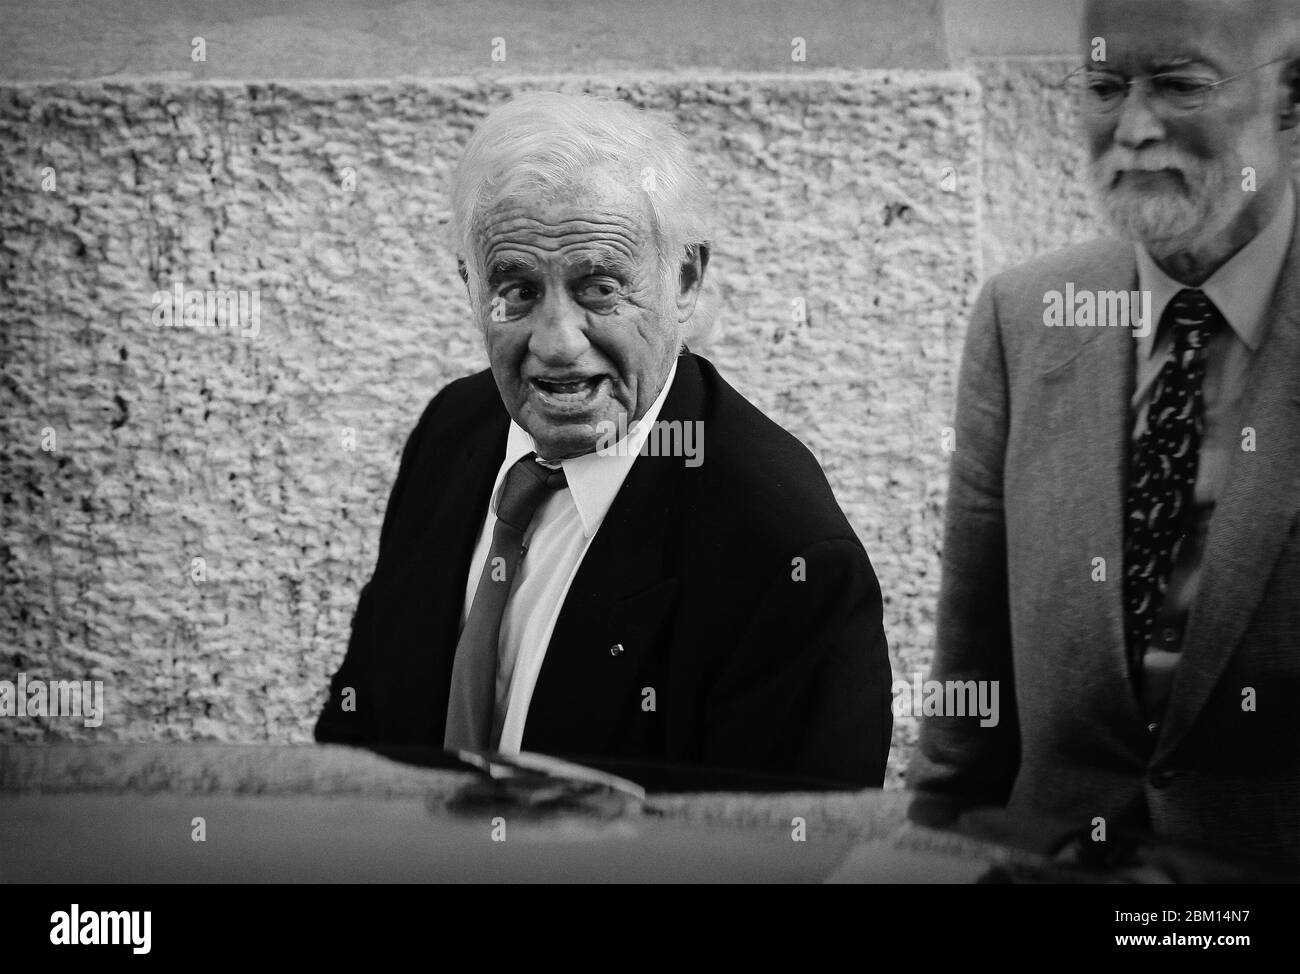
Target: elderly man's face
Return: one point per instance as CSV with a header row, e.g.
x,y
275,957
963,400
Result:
x,y
1175,181
581,329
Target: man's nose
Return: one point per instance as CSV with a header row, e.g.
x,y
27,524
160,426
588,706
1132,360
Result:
x,y
1138,125
561,335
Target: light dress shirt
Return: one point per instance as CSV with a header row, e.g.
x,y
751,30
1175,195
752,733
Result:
x,y
557,540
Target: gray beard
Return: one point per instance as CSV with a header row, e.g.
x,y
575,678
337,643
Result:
x,y
1166,222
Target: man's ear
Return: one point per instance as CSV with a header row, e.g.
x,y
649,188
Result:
x,y
691,279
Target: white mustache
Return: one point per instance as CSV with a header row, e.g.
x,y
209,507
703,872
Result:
x,y
1152,160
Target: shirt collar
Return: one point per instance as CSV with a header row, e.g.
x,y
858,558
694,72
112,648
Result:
x,y
594,479
1241,289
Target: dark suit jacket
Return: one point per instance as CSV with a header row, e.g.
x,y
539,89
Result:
x,y
1037,493
692,572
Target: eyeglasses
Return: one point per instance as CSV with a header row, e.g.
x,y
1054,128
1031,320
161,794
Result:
x,y
1170,92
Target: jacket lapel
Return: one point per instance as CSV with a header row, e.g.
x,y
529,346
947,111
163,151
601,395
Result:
x,y
623,591
1252,520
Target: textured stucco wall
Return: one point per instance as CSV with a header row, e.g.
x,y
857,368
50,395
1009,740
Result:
x,y
64,40
175,444
1035,175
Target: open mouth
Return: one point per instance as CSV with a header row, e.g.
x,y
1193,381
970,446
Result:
x,y
570,392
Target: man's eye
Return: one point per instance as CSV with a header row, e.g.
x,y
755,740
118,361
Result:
x,y
516,294
1179,85
1106,89
598,291
512,301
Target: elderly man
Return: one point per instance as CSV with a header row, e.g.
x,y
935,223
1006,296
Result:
x,y
1122,544
596,548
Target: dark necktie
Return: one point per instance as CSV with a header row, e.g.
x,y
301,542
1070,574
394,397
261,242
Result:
x,y
474,672
1162,473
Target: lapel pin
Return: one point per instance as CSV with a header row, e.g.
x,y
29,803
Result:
x,y
616,649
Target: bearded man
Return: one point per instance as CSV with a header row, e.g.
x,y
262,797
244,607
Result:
x,y
1122,549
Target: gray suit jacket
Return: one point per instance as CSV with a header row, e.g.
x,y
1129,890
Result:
x,y
1036,494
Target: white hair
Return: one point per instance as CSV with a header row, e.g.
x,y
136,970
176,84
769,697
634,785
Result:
x,y
543,143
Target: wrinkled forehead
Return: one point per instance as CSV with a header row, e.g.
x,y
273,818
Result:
x,y
1148,35
600,212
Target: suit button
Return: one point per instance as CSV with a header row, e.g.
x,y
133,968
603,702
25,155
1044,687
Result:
x,y
1162,779
1152,728
616,649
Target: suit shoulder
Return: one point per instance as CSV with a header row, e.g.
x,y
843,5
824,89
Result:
x,y
464,401
1020,289
1018,304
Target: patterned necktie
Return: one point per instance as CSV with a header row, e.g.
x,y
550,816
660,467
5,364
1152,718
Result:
x,y
1163,468
473,675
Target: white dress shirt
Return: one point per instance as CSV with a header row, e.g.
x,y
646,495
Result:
x,y
557,540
